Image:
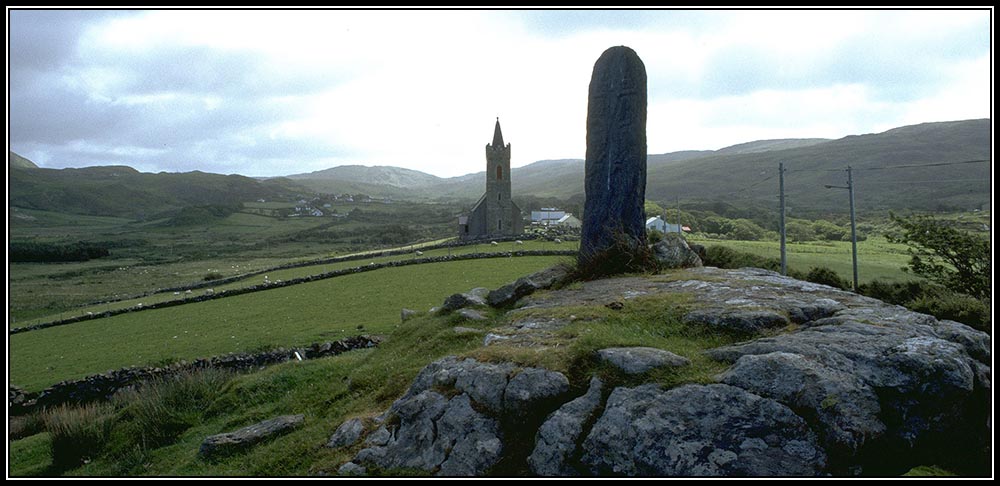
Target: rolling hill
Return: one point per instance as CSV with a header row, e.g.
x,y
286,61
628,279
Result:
x,y
918,167
746,174
125,192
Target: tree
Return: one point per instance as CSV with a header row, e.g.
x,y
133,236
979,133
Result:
x,y
956,259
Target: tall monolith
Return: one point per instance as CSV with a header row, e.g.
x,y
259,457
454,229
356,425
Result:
x,y
613,216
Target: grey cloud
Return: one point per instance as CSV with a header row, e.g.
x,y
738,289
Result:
x,y
894,69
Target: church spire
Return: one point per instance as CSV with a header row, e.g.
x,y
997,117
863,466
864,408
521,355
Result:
x,y
497,136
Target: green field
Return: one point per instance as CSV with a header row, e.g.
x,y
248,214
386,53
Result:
x,y
297,315
81,291
877,258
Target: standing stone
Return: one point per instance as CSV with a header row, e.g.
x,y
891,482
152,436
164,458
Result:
x,y
615,185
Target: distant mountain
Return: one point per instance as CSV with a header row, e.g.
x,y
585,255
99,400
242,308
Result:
x,y
14,160
125,192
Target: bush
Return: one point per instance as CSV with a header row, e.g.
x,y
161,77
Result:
x,y
212,276
654,236
163,409
826,276
956,307
725,257
932,299
78,433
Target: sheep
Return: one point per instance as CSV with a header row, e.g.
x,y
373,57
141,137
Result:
x,y
493,243
557,240
518,242
210,291
420,253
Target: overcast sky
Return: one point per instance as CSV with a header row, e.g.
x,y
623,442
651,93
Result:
x,y
267,93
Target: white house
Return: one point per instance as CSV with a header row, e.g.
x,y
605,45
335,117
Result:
x,y
657,223
547,216
568,221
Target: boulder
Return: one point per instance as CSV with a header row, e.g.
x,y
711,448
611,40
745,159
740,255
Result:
x,y
639,360
472,298
557,438
510,293
232,442
347,434
435,434
699,430
471,315
532,386
673,252
615,168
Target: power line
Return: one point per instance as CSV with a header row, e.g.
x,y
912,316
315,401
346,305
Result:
x,y
935,164
923,182
905,166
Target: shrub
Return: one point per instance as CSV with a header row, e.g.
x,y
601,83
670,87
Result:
x,y
933,299
724,257
826,276
78,433
163,409
654,236
956,307
212,276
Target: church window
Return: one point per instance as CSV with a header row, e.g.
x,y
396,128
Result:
x,y
499,173
499,224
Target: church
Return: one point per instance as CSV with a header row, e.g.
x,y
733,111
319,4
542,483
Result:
x,y
495,215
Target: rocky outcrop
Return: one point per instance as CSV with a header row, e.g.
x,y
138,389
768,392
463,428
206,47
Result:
x,y
221,445
825,382
451,421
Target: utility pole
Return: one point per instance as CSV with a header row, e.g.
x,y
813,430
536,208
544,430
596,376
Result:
x,y
677,203
854,231
854,228
781,198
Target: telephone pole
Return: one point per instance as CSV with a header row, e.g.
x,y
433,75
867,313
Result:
x,y
854,230
781,198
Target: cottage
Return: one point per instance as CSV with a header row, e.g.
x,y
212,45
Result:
x,y
657,223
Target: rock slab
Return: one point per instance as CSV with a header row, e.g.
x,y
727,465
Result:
x,y
557,438
220,445
347,434
615,177
639,360
699,430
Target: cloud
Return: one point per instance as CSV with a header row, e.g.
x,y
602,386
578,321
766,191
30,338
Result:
x,y
281,92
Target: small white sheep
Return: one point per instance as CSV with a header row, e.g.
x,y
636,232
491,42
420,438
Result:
x,y
210,291
518,242
493,243
420,253
557,240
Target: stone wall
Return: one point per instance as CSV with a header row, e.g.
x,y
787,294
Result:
x,y
103,386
